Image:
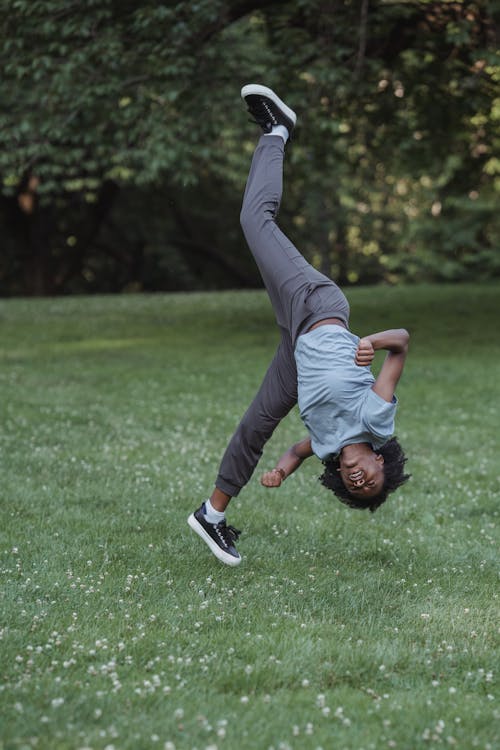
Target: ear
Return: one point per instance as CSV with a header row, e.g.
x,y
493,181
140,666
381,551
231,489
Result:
x,y
379,457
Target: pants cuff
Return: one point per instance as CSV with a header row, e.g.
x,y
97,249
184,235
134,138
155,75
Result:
x,y
230,489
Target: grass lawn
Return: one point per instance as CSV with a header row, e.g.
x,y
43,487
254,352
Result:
x,y
340,629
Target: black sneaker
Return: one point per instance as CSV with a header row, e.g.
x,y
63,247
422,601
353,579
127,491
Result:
x,y
219,536
267,109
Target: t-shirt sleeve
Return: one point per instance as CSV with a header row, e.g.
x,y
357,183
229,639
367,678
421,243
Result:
x,y
378,415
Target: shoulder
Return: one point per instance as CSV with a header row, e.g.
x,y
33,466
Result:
x,y
378,414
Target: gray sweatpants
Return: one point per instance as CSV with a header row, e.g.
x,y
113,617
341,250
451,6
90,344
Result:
x,y
300,295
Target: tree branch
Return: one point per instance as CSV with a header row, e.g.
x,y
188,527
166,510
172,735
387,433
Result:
x,y
363,29
233,13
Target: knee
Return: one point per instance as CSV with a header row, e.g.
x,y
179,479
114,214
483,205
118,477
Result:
x,y
250,225
254,222
247,219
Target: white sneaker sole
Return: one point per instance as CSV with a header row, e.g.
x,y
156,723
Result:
x,y
218,552
255,89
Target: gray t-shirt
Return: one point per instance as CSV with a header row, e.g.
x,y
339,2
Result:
x,y
336,400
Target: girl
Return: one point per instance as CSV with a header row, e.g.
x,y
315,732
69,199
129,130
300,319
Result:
x,y
319,363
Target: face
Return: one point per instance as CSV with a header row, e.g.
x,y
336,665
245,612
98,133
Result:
x,y
363,476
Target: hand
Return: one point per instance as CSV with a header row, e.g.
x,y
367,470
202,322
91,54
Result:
x,y
365,352
272,478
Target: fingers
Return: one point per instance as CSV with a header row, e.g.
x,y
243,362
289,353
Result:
x,y
364,354
271,479
364,359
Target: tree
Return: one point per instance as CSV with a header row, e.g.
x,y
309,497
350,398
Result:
x,y
106,102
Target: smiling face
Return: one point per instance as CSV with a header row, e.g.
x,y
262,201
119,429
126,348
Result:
x,y
362,471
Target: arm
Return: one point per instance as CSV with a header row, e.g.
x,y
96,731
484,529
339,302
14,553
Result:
x,y
288,463
395,341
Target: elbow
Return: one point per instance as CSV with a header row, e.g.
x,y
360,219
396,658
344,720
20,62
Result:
x,y
405,339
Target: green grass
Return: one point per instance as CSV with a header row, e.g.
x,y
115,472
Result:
x,y
339,629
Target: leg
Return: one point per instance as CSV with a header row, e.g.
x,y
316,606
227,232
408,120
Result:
x,y
290,280
274,399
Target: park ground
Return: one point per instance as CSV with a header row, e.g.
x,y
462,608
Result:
x,y
120,631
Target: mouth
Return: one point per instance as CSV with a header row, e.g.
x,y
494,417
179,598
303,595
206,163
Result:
x,y
355,476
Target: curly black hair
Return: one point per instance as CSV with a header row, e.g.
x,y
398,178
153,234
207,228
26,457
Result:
x,y
394,477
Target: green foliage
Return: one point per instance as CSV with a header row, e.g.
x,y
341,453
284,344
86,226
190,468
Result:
x,y
393,173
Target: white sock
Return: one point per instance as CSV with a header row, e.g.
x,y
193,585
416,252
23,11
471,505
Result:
x,y
279,130
211,514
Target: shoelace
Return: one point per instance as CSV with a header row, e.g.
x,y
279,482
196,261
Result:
x,y
262,113
227,533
